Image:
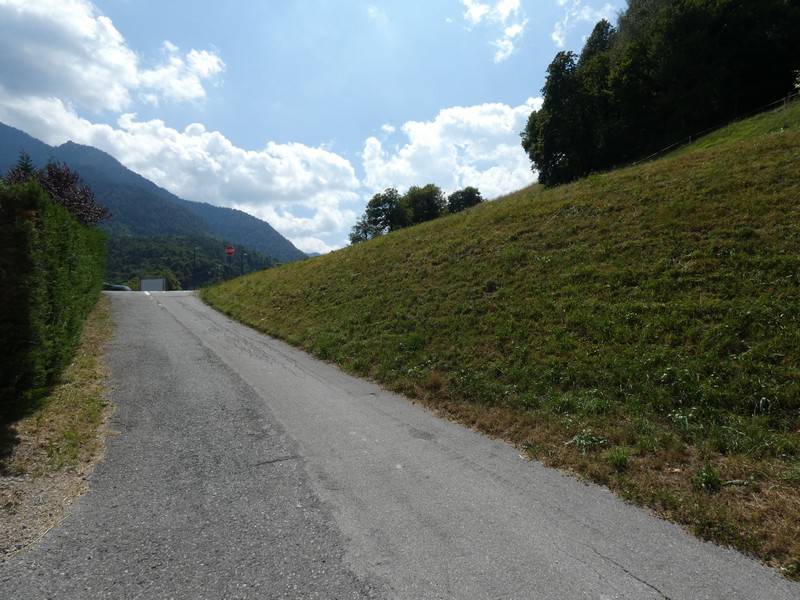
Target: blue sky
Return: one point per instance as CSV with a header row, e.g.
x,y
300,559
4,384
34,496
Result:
x,y
294,111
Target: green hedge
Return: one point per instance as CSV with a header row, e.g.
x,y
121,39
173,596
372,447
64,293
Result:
x,y
51,273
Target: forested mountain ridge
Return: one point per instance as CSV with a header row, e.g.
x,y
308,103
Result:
x,y
141,208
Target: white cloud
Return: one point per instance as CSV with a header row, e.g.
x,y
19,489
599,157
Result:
x,y
378,15
61,58
474,12
181,78
66,45
577,11
276,182
472,145
505,14
312,244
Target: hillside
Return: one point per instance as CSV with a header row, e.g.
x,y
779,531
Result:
x,y
186,261
141,208
639,327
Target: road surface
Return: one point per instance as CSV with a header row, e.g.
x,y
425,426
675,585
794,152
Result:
x,y
243,468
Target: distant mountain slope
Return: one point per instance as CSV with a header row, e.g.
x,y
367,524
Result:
x,y
232,224
13,141
141,208
186,261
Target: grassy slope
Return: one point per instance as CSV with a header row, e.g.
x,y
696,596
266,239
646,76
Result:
x,y
639,327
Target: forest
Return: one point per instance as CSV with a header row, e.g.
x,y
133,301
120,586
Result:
x,y
187,262
669,70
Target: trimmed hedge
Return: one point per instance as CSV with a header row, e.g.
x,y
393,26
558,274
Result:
x,y
51,273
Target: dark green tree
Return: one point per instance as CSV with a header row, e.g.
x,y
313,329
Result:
x,y
669,70
63,185
424,203
599,42
463,199
362,231
23,170
385,211
555,137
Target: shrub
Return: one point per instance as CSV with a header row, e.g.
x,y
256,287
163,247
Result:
x,y
51,271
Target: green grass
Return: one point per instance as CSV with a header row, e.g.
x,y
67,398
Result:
x,y
61,432
639,327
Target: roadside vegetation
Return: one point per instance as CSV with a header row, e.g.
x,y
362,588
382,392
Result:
x,y
49,451
640,327
52,260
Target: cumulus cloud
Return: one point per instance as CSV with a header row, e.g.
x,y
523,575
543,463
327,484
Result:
x,y
66,45
60,56
578,11
61,62
473,145
378,15
505,14
275,182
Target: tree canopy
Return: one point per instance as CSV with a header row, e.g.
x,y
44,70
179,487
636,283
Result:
x,y
63,185
463,199
389,211
670,69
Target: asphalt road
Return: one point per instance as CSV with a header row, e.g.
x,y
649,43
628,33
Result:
x,y
243,468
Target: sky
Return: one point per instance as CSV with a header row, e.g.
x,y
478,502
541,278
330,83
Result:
x,y
294,111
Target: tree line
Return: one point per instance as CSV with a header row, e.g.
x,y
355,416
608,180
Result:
x,y
389,210
668,70
186,262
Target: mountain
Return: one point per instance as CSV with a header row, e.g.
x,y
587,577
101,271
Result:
x,y
141,208
641,327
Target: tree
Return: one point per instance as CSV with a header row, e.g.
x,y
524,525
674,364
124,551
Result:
x,y
599,42
555,137
424,203
63,185
386,212
362,231
670,69
23,170
66,187
463,199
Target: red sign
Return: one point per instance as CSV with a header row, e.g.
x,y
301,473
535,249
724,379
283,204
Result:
x,y
230,250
